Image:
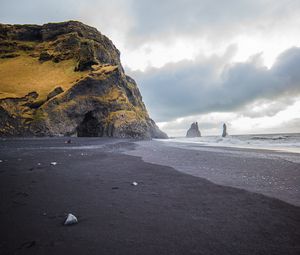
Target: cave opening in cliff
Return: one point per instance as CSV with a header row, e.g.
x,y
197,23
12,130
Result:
x,y
89,127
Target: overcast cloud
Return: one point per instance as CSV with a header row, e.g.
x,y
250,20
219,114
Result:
x,y
206,18
210,85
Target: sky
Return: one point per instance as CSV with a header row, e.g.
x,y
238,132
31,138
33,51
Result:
x,y
211,61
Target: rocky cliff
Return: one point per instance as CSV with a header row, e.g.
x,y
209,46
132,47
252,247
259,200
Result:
x,y
67,79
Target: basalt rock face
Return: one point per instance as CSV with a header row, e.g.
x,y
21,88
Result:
x,y
193,131
224,133
68,80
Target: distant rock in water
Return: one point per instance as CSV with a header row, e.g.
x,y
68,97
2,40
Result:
x,y
193,131
224,133
67,79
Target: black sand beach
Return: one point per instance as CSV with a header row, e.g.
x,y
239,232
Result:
x,y
168,212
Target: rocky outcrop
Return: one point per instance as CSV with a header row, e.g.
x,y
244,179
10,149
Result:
x,y
96,99
224,133
14,114
193,131
55,92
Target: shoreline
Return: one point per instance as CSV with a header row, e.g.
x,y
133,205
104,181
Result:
x,y
250,141
272,173
284,150
261,148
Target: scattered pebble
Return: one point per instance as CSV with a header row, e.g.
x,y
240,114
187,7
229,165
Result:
x,y
71,219
38,164
1,161
134,184
53,163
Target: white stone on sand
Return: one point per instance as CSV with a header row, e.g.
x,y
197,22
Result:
x,y
71,219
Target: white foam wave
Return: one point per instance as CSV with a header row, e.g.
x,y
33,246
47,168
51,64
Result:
x,y
285,142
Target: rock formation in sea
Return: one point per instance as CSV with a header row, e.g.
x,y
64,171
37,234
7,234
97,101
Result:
x,y
224,133
193,131
67,79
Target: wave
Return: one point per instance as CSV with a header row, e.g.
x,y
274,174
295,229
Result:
x,y
269,138
286,142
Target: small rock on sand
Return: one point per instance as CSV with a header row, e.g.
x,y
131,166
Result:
x,y
134,184
71,219
53,163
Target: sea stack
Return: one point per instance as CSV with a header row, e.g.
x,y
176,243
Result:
x,y
193,131
66,79
224,134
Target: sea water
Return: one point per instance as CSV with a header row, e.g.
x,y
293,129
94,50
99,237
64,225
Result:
x,y
279,142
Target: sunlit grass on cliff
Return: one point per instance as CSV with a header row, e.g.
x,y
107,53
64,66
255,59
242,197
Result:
x,y
24,74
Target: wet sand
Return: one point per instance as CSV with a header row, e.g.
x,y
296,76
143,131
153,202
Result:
x,y
272,173
168,212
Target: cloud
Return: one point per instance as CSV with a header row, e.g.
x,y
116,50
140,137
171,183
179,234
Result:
x,y
211,84
216,20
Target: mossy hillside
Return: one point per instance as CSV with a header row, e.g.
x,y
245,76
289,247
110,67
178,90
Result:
x,y
24,74
41,65
123,117
39,115
114,100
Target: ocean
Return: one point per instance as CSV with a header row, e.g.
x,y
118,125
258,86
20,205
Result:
x,y
278,142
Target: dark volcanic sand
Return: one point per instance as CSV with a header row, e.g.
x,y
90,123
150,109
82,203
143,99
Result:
x,y
167,213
